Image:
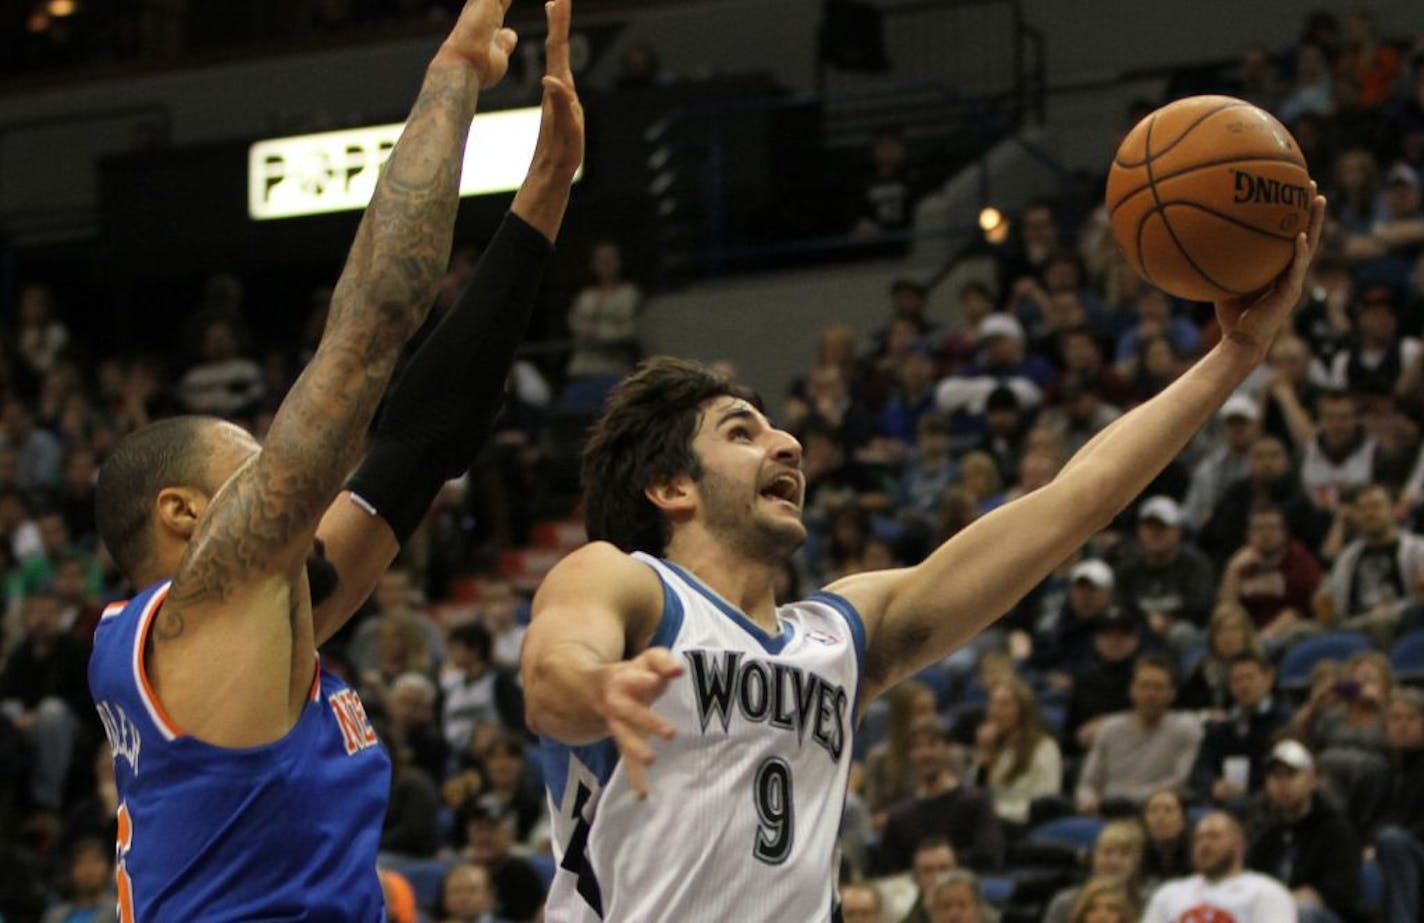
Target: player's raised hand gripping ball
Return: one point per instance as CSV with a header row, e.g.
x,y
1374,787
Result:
x,y
1206,196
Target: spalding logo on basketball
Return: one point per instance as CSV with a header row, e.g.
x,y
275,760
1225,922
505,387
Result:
x,y
1206,196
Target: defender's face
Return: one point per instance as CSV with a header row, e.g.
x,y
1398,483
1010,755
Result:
x,y
752,488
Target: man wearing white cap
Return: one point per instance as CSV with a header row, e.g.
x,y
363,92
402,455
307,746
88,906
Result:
x,y
1221,889
1169,582
1305,840
1059,645
1229,461
1001,362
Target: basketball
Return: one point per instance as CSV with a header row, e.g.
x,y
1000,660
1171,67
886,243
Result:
x,y
1206,196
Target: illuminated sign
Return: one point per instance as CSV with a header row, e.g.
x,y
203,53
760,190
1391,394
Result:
x,y
336,170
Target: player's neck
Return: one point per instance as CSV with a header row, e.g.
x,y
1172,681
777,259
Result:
x,y
746,584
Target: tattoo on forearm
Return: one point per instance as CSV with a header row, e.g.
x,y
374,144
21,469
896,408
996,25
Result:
x,y
385,290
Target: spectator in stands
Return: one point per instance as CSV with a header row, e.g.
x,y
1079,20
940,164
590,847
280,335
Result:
x,y
889,775
913,397
1229,635
1228,461
475,689
44,690
1002,362
833,476
90,896
1167,851
1323,327
1083,361
1155,365
603,319
1345,727
1231,762
1015,758
394,601
1273,576
1271,480
1068,639
1399,840
509,790
1168,581
412,723
1136,753
41,337
1384,255
976,302
955,899
55,545
38,452
1340,455
1117,857
1079,414
1305,840
466,895
888,188
1100,683
941,804
222,382
19,532
1025,254
1103,900
1257,80
929,469
95,815
519,893
74,495
79,609
1312,90
1374,64
499,605
1375,361
1374,578
412,822
934,858
860,903
1155,318
1221,888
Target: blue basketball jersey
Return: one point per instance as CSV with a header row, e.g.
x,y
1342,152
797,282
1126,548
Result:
x,y
284,831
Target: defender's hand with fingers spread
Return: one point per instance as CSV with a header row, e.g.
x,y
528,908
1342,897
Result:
x,y
1254,320
480,39
629,691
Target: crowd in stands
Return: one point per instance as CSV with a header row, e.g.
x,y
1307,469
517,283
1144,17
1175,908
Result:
x,y
1210,702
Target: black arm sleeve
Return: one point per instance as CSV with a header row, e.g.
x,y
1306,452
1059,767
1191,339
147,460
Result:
x,y
439,413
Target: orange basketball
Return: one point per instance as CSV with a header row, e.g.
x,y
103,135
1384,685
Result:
x,y
1206,196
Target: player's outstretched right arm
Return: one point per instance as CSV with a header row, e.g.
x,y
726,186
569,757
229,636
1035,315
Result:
x,y
594,608
238,604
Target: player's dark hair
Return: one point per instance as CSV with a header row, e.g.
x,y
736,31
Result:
x,y
644,437
168,453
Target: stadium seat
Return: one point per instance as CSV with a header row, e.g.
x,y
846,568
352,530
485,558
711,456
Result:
x,y
1371,887
1407,657
1077,832
997,891
426,876
1302,658
1053,717
543,864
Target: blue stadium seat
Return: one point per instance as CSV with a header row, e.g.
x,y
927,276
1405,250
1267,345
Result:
x,y
1407,657
1302,658
426,876
1077,832
1371,887
997,891
544,865
1053,717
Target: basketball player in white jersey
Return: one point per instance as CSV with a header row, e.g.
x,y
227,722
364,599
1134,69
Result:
x,y
697,736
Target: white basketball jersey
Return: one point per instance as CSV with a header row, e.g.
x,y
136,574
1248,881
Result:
x,y
744,804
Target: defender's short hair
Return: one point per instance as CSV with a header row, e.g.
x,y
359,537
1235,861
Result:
x,y
167,453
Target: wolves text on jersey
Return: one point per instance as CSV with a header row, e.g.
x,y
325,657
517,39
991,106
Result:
x,y
123,734
779,694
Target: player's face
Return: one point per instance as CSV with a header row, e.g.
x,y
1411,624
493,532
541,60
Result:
x,y
752,488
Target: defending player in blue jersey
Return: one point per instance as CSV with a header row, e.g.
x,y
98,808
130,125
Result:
x,y
251,785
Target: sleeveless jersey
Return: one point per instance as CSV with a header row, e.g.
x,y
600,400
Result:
x,y
744,804
284,831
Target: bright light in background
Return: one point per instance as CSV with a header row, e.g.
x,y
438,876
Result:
x,y
336,170
61,8
990,218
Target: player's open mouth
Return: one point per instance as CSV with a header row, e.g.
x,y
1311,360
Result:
x,y
786,488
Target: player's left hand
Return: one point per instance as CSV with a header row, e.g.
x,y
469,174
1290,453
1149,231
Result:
x,y
1253,320
560,145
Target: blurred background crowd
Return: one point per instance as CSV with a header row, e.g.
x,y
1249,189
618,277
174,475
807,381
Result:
x,y
1242,639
